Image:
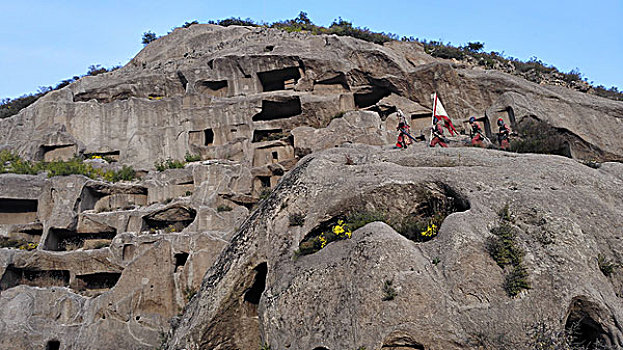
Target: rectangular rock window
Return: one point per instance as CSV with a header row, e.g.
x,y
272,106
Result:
x,y
201,137
14,276
267,135
99,280
280,79
60,152
214,88
285,108
17,211
67,240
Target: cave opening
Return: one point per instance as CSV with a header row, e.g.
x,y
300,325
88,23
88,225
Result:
x,y
371,96
53,345
180,259
253,294
282,109
583,329
280,79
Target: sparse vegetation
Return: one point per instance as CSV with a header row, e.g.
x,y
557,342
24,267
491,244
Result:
x,y
503,248
436,261
296,219
539,137
389,292
335,232
20,244
10,107
516,280
12,163
148,37
223,208
533,69
189,158
162,165
606,266
189,293
265,193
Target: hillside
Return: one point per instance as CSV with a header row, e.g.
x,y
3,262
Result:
x,y
294,223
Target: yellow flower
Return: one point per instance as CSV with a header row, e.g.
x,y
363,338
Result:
x,y
348,233
323,241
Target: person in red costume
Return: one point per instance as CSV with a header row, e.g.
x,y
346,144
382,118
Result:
x,y
503,134
438,138
476,133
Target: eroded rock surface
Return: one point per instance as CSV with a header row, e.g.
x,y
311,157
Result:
x,y
449,291
88,263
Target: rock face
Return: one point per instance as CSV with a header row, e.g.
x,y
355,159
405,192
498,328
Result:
x,y
449,291
88,263
232,92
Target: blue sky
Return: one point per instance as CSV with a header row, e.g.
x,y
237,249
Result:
x,y
44,42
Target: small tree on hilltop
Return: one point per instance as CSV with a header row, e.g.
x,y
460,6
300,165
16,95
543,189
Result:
x,y
149,37
475,47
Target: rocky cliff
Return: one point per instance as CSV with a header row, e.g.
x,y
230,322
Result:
x,y
90,264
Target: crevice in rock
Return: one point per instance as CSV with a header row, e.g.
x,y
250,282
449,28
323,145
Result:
x,y
253,294
66,240
17,211
112,155
216,88
371,96
171,219
96,281
285,108
182,79
280,79
582,325
14,276
416,211
268,135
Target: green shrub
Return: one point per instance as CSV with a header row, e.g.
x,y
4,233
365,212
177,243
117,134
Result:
x,y
148,37
12,163
189,158
389,293
296,219
162,165
516,280
503,248
223,208
606,266
537,136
